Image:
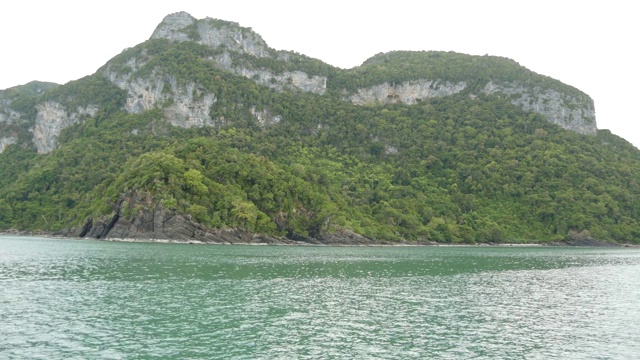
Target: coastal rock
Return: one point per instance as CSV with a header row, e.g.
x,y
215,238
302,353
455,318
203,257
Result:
x,y
152,222
345,237
159,224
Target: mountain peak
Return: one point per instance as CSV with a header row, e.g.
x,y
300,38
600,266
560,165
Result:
x,y
181,26
172,26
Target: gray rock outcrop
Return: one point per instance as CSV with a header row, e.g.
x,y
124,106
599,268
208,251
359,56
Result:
x,y
160,224
408,92
572,112
8,116
575,113
288,80
188,104
6,141
181,26
265,117
52,118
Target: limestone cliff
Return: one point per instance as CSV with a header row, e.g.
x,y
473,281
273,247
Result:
x,y
211,32
408,92
240,51
5,141
231,36
184,105
571,112
52,118
9,119
188,105
8,116
288,80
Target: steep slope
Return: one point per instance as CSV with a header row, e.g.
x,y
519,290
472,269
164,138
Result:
x,y
204,132
411,77
152,74
16,108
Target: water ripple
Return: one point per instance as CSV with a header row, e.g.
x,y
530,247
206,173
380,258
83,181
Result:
x,y
82,299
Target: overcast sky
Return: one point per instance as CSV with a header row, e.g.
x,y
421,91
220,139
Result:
x,y
590,45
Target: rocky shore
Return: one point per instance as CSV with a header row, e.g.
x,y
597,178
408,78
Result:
x,y
339,238
160,225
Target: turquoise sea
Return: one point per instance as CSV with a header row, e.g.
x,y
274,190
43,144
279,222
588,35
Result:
x,y
83,299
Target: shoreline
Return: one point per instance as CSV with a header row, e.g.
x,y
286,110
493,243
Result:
x,y
289,242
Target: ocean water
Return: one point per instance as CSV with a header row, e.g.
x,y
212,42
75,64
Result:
x,y
82,299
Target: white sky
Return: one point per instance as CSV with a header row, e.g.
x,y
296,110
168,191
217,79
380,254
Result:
x,y
591,45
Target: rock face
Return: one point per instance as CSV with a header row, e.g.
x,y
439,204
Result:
x,y
190,105
51,119
215,33
161,224
570,112
8,116
408,92
172,25
265,118
211,32
288,80
6,141
575,113
155,223
146,220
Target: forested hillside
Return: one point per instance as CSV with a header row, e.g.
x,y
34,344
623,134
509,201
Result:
x,y
272,159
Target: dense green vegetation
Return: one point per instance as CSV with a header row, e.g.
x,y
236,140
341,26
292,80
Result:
x,y
477,71
451,169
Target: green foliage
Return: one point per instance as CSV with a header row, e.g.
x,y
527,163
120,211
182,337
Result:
x,y
453,170
192,32
399,66
90,90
